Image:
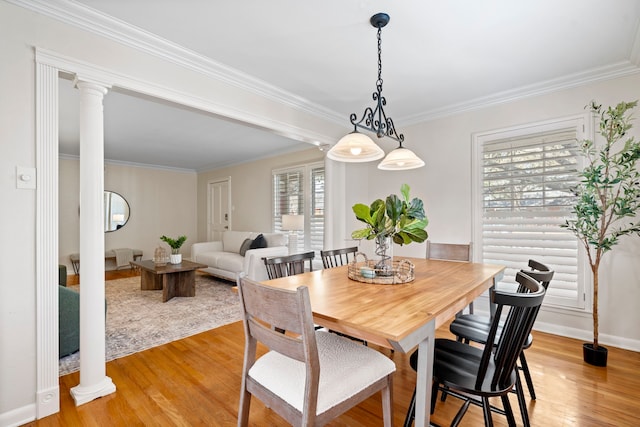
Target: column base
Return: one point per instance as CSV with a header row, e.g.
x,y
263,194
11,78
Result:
x,y
82,395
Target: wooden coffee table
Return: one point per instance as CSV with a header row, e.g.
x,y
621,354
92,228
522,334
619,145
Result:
x,y
175,280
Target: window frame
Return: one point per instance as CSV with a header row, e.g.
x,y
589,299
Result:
x,y
584,130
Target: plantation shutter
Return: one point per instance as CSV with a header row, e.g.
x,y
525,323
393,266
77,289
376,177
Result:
x,y
297,195
525,197
316,225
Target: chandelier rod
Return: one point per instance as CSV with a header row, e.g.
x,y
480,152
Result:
x,y
375,120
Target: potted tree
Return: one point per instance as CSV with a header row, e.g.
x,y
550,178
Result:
x,y
176,244
394,220
608,193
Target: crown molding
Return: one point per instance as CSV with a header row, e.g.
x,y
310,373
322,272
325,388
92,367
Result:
x,y
613,71
91,20
108,77
75,157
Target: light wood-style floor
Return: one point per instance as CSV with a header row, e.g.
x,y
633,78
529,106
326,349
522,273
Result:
x,y
196,381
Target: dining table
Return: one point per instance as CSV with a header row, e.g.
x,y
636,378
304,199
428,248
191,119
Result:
x,y
402,316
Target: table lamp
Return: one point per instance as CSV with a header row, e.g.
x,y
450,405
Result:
x,y
293,224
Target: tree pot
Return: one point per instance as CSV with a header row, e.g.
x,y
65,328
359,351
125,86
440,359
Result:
x,y
596,357
175,258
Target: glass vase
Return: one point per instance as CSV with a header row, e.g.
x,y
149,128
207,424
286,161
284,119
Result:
x,y
384,251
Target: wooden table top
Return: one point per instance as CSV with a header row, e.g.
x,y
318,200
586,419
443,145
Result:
x,y
388,314
185,265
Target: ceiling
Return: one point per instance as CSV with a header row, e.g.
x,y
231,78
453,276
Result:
x,y
438,58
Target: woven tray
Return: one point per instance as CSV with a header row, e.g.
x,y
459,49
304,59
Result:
x,y
402,271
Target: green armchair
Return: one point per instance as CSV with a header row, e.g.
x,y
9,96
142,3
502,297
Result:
x,y
68,321
68,316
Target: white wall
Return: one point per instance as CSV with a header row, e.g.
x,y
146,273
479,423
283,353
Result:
x,y
161,202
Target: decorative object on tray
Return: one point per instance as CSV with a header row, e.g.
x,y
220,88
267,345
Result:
x,y
365,270
607,199
176,256
394,220
160,256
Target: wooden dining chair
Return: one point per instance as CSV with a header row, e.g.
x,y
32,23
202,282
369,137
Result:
x,y
308,377
336,257
288,265
476,374
473,327
451,252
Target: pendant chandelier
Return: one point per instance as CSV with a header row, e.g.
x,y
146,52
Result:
x,y
357,147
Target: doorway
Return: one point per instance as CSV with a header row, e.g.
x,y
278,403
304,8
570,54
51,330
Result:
x,y
219,208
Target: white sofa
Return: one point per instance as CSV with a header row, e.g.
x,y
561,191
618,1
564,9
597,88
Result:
x,y
224,259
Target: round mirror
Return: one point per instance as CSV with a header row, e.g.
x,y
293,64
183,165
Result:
x,y
116,211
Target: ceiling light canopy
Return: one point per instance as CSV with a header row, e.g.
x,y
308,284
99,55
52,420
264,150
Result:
x,y
356,147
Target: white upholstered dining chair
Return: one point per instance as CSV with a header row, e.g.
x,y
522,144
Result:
x,y
308,377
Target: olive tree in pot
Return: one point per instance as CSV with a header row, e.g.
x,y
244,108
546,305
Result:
x,y
607,199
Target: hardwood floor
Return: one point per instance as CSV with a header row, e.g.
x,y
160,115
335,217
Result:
x,y
196,381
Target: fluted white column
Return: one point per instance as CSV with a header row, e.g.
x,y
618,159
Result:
x,y
48,389
93,380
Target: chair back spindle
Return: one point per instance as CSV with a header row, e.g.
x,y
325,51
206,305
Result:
x,y
337,257
289,265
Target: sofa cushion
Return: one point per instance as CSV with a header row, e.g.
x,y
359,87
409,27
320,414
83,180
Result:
x,y
230,262
276,239
232,240
259,242
246,245
209,258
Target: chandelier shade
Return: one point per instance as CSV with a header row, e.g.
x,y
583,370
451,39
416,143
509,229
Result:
x,y
401,159
357,147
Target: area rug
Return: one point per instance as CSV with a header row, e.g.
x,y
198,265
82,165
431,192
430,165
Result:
x,y
138,320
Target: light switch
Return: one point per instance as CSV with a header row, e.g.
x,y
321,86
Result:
x,y
25,178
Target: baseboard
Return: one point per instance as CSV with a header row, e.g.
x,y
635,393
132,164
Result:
x,y
587,336
580,334
19,416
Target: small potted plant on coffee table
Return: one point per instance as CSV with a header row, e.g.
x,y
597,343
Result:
x,y
176,244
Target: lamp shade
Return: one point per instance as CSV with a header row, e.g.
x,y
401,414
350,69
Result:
x,y
293,222
401,159
355,147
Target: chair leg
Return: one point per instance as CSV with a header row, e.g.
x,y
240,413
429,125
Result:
x,y
521,402
387,403
243,410
511,420
434,395
461,412
444,393
486,409
527,375
411,413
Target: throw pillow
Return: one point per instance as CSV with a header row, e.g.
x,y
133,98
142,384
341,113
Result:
x,y
259,242
246,245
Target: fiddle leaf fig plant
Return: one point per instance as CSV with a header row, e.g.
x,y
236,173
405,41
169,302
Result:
x,y
401,219
608,192
175,244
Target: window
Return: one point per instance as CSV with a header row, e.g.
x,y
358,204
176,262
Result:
x,y
521,197
300,191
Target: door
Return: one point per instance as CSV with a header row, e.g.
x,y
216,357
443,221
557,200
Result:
x,y
219,212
